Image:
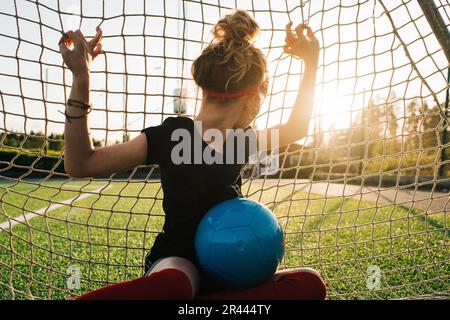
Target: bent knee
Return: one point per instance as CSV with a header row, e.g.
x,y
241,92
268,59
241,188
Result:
x,y
181,264
311,271
309,281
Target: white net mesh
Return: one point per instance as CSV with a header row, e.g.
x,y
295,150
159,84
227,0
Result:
x,y
362,199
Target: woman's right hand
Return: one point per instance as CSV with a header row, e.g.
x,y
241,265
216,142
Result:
x,y
297,44
79,58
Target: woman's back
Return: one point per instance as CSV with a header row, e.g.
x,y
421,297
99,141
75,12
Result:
x,y
190,188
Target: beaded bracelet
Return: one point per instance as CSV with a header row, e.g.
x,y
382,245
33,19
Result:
x,y
69,117
78,104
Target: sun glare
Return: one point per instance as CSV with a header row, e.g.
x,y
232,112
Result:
x,y
334,111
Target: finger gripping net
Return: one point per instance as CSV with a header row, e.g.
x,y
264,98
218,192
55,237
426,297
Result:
x,y
363,198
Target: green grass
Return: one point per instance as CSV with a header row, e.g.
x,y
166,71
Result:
x,y
108,235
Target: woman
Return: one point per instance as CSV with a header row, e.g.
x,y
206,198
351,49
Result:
x,y
231,72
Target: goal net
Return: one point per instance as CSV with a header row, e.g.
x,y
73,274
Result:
x,y
363,198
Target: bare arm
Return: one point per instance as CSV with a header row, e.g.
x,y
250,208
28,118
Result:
x,y
80,157
306,48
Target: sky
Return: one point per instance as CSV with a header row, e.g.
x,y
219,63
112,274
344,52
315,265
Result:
x,y
154,42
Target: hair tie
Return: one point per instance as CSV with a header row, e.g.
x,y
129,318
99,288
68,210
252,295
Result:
x,y
231,95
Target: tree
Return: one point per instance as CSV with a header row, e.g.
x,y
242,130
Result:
x,y
56,142
96,143
13,140
390,116
429,126
413,114
372,122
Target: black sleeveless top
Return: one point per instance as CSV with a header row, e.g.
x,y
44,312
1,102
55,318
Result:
x,y
190,189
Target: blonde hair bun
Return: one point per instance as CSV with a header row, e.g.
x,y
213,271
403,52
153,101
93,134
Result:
x,y
239,26
231,63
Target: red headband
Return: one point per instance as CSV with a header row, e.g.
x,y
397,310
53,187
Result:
x,y
231,95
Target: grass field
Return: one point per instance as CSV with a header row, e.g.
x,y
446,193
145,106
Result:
x,y
108,233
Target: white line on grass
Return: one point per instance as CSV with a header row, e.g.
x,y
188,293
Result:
x,y
12,221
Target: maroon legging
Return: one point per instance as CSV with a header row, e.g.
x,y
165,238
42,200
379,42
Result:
x,y
174,284
300,285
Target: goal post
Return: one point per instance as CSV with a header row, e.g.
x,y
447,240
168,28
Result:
x,y
441,31
437,24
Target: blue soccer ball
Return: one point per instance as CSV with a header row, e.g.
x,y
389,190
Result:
x,y
239,243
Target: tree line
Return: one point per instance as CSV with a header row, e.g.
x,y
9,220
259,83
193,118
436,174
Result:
x,y
36,140
387,135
